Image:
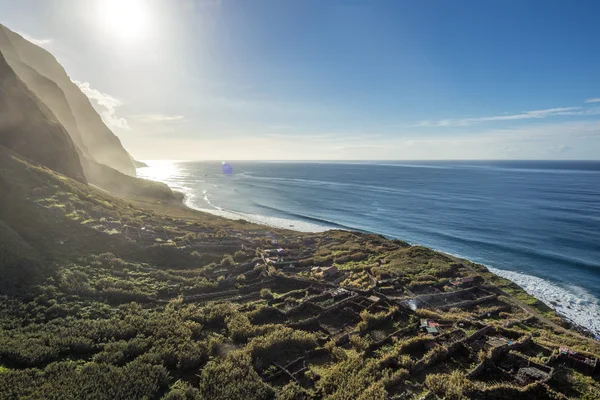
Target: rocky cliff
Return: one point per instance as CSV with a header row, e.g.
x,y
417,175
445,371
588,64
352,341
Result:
x,y
30,128
47,79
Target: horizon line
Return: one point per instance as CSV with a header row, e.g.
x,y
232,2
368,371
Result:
x,y
376,160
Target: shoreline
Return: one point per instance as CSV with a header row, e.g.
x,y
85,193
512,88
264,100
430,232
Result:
x,y
182,204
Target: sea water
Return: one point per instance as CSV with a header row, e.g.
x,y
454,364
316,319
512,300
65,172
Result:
x,y
534,222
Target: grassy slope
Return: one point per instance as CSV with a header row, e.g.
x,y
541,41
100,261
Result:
x,y
110,311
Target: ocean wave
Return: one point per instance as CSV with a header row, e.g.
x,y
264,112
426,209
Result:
x,y
269,181
207,200
514,248
275,222
573,303
318,221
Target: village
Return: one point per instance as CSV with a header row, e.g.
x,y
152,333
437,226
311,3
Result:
x,y
458,321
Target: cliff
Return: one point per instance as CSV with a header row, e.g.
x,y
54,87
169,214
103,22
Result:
x,y
45,77
75,142
29,128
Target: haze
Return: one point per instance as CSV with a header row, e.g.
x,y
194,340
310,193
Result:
x,y
331,80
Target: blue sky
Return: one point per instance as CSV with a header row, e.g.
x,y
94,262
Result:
x,y
332,79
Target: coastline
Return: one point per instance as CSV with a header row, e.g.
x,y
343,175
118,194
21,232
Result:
x,y
181,208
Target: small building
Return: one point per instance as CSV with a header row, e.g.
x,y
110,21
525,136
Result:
x,y
432,330
430,326
329,271
324,272
374,299
463,281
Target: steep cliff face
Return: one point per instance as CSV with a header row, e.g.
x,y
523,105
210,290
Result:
x,y
45,118
48,80
30,128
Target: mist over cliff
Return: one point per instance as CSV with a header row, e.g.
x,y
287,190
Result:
x,y
45,117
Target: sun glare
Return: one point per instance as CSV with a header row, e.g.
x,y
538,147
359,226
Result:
x,y
128,20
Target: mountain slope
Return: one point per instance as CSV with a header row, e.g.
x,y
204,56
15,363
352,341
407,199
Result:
x,y
127,303
28,127
39,69
52,96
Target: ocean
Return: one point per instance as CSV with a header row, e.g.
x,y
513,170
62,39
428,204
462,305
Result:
x,y
534,222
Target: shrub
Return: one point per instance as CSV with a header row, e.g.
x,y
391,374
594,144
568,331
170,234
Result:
x,y
280,344
454,386
232,378
351,378
227,262
370,320
181,390
293,391
240,255
359,343
266,293
393,378
91,380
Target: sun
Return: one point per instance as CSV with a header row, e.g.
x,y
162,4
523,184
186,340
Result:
x,y
126,20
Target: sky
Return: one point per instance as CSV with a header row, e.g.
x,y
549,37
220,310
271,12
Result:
x,y
340,80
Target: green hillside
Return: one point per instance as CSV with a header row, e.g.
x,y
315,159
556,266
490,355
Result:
x,y
103,298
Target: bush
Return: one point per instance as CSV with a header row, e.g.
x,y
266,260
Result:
x,y
227,262
281,343
266,293
292,391
370,320
351,378
182,391
232,378
240,255
454,386
70,380
359,343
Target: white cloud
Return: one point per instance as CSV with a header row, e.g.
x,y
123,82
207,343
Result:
x,y
108,105
594,100
535,114
150,118
38,42
561,148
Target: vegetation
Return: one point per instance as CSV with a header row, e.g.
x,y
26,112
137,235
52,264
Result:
x,y
107,298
